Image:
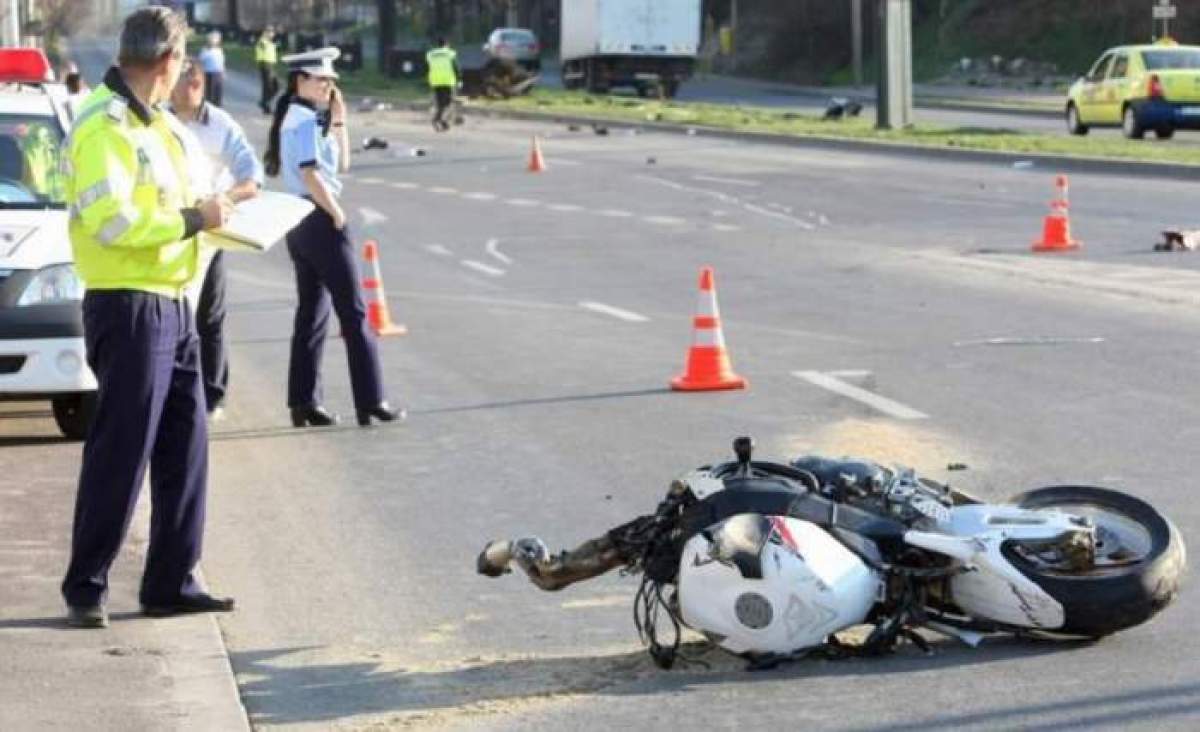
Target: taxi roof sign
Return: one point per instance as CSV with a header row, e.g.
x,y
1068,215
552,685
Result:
x,y
28,65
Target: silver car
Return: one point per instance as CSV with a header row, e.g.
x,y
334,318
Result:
x,y
518,45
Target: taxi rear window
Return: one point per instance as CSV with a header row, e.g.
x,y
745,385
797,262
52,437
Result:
x,y
1172,59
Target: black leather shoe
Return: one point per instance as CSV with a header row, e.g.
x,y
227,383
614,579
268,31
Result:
x,y
190,604
382,412
314,416
87,616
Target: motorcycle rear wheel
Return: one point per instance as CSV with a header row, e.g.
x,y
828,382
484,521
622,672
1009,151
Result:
x,y
1140,560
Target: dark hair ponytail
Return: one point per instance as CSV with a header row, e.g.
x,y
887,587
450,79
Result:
x,y
271,157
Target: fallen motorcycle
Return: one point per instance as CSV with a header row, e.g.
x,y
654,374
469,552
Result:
x,y
771,561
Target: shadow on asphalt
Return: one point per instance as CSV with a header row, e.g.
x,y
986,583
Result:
x,y
32,440
59,622
287,693
348,426
545,400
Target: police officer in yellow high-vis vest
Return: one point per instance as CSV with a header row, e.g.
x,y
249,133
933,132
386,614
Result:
x,y
443,78
133,227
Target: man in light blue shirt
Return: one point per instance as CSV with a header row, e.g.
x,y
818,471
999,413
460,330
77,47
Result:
x,y
212,58
230,167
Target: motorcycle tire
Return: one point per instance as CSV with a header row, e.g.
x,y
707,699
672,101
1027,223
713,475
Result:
x,y
1104,600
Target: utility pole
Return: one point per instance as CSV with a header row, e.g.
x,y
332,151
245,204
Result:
x,y
856,33
894,103
12,23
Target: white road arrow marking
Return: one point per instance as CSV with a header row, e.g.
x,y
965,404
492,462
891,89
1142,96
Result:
x,y
626,315
492,248
439,250
486,269
882,404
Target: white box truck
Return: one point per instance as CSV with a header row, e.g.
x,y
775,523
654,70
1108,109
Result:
x,y
650,45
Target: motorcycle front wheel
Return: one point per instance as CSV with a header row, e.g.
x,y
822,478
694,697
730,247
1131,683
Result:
x,y
1137,569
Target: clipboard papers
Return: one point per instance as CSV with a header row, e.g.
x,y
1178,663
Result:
x,y
258,223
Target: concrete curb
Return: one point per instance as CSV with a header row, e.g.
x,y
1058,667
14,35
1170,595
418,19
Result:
x,y
1059,163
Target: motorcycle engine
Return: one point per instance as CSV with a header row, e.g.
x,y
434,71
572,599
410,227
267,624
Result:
x,y
897,493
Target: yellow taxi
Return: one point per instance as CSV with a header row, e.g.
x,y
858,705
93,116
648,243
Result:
x,y
1139,88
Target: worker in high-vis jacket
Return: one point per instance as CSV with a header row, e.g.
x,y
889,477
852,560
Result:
x,y
265,57
133,227
443,78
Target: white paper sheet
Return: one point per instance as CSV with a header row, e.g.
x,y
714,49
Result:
x,y
258,223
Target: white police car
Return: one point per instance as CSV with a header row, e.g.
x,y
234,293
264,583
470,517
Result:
x,y
42,355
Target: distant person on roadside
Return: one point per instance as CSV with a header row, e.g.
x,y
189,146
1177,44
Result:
x,y
212,58
443,78
77,89
133,227
265,57
309,147
232,169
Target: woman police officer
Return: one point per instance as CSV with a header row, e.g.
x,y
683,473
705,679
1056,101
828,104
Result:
x,y
309,148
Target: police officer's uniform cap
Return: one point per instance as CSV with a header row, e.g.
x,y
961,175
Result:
x,y
314,63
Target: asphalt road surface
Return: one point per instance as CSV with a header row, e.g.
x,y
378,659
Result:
x,y
547,314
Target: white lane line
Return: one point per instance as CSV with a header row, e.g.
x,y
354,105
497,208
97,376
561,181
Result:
x,y
566,207
403,185
775,214
626,315
616,213
726,227
850,373
480,196
486,269
371,217
492,248
882,404
373,181
665,220
522,202
439,250
729,181
443,190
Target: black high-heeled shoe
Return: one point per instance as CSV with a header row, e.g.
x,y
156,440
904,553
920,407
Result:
x,y
314,416
382,412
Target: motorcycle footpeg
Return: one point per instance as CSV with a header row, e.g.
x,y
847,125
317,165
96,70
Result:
x,y
493,560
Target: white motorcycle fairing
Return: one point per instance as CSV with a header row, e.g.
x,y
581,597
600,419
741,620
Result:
x,y
772,584
990,587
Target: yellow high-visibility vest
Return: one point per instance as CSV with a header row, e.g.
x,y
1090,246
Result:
x,y
264,51
441,67
126,186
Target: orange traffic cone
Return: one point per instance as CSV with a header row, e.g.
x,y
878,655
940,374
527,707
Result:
x,y
537,163
1056,229
708,367
377,307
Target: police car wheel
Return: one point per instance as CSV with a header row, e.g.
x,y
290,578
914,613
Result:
x,y
1164,133
73,414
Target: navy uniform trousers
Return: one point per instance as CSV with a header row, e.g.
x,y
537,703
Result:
x,y
210,326
150,409
326,268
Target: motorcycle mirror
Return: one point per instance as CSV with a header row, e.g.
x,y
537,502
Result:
x,y
743,447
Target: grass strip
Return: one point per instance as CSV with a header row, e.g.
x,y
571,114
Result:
x,y
556,102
